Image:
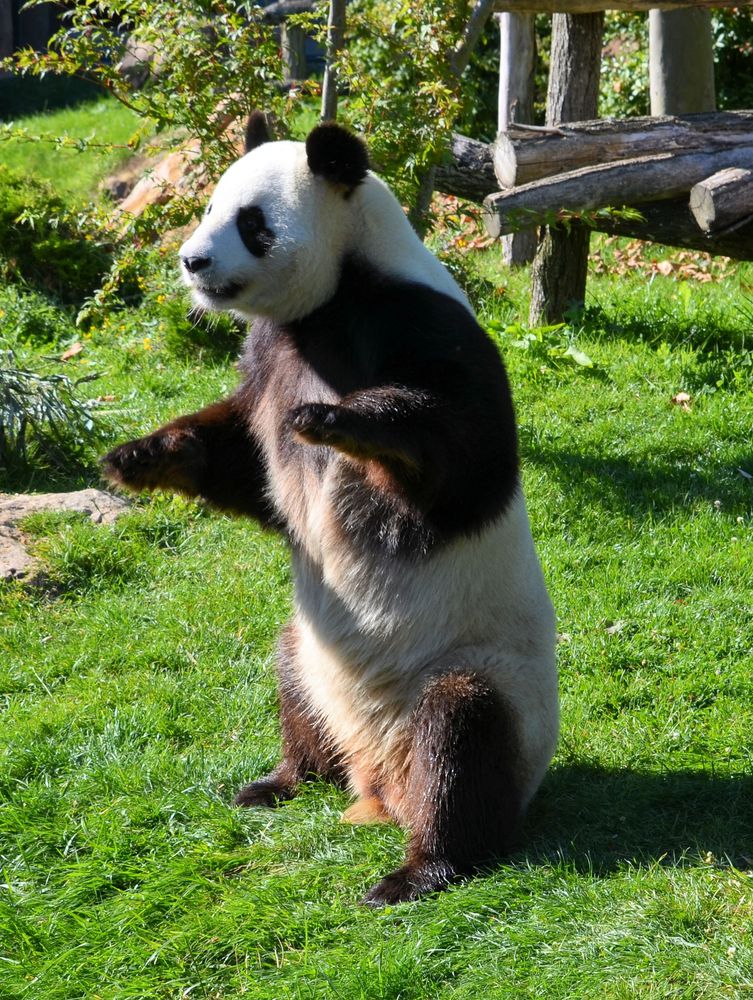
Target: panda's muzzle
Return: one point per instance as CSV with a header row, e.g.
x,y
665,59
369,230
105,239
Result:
x,y
195,266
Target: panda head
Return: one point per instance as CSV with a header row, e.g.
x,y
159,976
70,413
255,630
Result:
x,y
278,225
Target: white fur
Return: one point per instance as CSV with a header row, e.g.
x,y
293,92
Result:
x,y
373,632
314,226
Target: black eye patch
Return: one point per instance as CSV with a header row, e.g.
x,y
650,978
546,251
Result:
x,y
252,227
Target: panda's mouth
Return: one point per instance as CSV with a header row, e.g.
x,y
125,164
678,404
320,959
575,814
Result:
x,y
220,292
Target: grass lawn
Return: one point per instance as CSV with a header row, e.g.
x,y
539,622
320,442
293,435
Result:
x,y
49,110
138,694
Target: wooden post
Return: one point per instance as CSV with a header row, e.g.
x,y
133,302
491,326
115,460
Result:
x,y
681,62
293,45
561,263
335,34
517,55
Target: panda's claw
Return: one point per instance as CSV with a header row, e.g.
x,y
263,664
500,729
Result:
x,y
316,423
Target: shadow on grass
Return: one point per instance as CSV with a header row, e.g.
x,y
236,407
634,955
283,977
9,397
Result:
x,y
24,95
599,818
670,482
715,329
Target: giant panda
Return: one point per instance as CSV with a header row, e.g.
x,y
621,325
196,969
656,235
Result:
x,y
374,427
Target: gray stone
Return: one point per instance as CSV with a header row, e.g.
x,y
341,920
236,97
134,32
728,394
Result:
x,y
15,561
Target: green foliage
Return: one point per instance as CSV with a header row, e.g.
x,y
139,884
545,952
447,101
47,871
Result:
x,y
45,245
545,346
623,88
404,93
42,418
733,57
28,317
213,63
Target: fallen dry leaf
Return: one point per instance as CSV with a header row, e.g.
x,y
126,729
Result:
x,y
682,399
72,351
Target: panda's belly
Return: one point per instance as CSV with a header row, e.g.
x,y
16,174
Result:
x,y
372,629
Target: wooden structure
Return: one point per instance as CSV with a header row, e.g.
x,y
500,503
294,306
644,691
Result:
x,y
577,163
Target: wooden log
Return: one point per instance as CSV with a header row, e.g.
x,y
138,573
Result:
x,y
646,178
723,200
671,222
275,13
594,6
558,274
681,61
522,155
517,57
469,173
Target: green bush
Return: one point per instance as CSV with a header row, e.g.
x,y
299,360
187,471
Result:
x,y
42,244
28,317
43,420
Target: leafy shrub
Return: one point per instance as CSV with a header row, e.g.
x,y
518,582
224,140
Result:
x,y
43,244
41,416
624,87
733,51
28,317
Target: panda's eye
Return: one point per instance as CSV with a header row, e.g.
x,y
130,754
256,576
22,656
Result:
x,y
252,227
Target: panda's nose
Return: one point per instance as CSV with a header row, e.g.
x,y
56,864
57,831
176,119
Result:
x,y
194,264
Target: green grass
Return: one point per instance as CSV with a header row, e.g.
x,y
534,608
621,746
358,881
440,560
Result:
x,y
137,686
85,114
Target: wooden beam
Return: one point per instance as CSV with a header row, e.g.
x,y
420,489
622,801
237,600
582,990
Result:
x,y
524,155
646,178
724,200
594,6
671,223
470,172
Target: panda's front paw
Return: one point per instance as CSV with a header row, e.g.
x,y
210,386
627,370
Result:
x,y
170,460
316,423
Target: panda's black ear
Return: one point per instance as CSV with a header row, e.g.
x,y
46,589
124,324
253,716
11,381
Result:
x,y
337,155
257,132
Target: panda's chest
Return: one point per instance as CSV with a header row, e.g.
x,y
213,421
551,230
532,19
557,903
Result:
x,y
301,476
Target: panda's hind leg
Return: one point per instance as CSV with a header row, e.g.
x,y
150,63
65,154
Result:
x,y
461,800
306,750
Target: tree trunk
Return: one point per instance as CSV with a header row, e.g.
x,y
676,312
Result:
x,y
524,155
646,178
517,56
561,262
723,200
681,62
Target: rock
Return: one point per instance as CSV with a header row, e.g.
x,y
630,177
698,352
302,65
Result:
x,y
15,561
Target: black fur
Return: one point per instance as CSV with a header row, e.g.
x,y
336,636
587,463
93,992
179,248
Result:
x,y
253,230
257,132
337,155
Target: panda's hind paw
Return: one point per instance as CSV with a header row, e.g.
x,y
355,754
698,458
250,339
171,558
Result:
x,y
410,883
